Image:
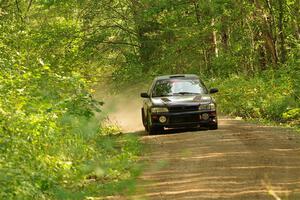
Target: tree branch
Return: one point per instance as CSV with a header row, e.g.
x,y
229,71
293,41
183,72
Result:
x,y
120,27
118,43
29,5
19,10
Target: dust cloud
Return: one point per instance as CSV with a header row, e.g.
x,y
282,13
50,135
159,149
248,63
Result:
x,y
122,109
125,112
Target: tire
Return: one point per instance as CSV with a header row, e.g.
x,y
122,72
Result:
x,y
153,129
213,126
144,119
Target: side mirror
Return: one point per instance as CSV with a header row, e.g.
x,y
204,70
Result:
x,y
144,95
213,90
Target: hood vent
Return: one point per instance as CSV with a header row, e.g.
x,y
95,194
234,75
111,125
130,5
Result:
x,y
164,99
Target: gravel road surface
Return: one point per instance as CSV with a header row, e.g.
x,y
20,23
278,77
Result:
x,y
239,161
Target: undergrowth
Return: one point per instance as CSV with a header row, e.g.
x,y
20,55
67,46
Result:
x,y
269,96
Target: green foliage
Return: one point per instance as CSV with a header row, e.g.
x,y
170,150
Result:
x,y
292,116
270,95
52,145
50,137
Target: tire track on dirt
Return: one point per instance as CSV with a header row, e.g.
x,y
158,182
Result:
x,y
240,161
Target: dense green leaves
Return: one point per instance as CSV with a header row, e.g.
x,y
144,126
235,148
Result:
x,y
52,52
269,95
52,146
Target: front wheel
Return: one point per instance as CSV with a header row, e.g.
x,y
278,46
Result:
x,y
153,129
213,126
144,120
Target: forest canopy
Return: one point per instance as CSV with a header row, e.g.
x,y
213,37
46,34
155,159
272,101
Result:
x,y
53,52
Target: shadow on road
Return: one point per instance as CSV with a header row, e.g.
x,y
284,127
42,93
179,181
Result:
x,y
170,131
239,161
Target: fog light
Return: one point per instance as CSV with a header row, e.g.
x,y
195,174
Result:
x,y
162,119
205,116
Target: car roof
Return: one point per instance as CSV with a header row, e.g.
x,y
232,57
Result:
x,y
184,76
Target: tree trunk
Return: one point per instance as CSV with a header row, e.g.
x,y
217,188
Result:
x,y
224,38
197,12
281,31
214,38
267,28
271,47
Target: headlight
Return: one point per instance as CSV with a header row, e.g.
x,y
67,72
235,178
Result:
x,y
159,110
210,106
162,119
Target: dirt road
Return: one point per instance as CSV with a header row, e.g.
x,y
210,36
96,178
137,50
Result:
x,y
240,161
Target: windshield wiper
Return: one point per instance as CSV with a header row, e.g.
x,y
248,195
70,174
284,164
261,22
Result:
x,y
183,93
162,95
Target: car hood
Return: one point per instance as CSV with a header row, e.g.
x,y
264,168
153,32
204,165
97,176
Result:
x,y
182,99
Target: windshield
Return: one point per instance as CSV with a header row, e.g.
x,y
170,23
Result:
x,y
173,87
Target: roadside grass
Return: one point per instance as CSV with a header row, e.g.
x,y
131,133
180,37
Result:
x,y
54,145
273,123
111,169
80,162
269,98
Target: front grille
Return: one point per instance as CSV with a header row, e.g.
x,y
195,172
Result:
x,y
184,119
175,109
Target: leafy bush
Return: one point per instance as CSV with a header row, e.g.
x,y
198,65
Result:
x,y
51,143
270,95
292,116
52,146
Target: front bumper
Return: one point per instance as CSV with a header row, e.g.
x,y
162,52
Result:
x,y
184,119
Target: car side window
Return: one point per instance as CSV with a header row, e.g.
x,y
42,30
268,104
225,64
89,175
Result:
x,y
162,88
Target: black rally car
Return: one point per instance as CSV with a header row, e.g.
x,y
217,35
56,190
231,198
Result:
x,y
178,101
